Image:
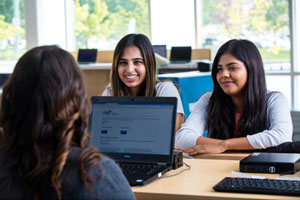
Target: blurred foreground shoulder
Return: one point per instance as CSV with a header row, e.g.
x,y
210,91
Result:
x,y
110,183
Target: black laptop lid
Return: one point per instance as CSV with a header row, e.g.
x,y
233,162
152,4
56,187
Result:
x,y
181,54
87,55
134,129
160,49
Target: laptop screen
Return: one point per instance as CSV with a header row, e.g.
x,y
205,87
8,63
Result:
x,y
160,49
87,55
133,125
181,54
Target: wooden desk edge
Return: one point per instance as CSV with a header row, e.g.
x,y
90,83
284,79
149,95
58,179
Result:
x,y
223,156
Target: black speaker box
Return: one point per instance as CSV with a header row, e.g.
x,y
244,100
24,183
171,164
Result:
x,y
204,66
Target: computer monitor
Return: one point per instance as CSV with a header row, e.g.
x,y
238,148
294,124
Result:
x,y
160,50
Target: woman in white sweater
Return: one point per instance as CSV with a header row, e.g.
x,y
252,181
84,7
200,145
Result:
x,y
239,114
133,73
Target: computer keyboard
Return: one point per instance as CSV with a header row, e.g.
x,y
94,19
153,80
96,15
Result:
x,y
262,186
137,168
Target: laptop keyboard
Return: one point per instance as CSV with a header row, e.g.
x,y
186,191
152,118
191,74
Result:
x,y
263,186
134,168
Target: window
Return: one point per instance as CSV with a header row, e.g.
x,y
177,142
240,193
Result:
x,y
280,83
295,27
12,32
172,22
297,92
102,23
264,22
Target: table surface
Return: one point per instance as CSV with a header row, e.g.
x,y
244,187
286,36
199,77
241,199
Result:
x,y
197,183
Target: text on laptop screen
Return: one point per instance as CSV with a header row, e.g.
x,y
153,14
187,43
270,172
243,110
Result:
x,y
136,128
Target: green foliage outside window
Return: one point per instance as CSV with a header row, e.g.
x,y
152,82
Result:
x,y
12,32
102,23
106,21
265,22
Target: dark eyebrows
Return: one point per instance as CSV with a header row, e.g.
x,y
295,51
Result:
x,y
121,59
137,59
228,64
232,63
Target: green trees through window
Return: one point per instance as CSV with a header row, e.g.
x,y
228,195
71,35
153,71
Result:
x,y
101,23
265,22
12,29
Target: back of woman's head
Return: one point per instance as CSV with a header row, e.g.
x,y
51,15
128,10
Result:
x,y
144,45
221,108
44,110
42,95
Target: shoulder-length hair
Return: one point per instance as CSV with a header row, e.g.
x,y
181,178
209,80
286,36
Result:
x,y
144,45
44,110
221,116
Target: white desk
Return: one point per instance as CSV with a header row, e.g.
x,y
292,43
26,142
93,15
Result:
x,y
93,66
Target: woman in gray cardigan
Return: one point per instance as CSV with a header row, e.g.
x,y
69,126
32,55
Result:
x,y
239,114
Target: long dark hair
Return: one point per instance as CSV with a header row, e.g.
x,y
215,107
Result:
x,y
220,110
144,45
44,110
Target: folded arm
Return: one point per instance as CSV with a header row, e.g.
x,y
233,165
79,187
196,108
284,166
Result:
x,y
210,145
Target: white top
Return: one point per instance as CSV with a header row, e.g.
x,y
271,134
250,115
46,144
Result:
x,y
279,122
163,89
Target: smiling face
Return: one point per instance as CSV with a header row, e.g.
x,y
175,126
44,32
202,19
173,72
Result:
x,y
232,75
131,69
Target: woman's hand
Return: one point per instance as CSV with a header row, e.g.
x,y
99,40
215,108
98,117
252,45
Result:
x,y
216,147
210,145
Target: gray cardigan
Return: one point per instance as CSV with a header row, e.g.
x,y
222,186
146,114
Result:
x,y
112,184
279,122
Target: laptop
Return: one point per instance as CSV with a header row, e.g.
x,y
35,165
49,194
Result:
x,y
86,56
181,54
137,132
160,50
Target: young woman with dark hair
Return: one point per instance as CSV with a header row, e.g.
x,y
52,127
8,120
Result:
x,y
239,114
133,73
45,152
